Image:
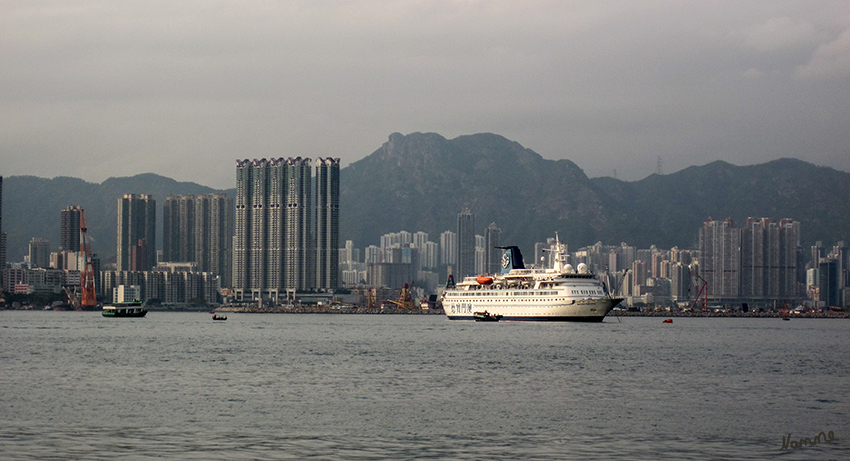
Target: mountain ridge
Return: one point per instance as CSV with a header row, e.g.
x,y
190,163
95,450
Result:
x,y
421,181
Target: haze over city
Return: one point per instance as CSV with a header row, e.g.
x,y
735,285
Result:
x,y
101,89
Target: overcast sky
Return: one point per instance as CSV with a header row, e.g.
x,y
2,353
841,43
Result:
x,y
101,88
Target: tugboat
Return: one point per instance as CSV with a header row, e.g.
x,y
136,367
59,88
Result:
x,y
486,317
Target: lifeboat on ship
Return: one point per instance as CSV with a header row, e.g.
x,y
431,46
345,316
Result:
x,y
484,280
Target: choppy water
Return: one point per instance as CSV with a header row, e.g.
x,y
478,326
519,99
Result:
x,y
180,386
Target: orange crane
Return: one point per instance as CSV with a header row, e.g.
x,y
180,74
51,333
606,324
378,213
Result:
x,y
702,293
88,299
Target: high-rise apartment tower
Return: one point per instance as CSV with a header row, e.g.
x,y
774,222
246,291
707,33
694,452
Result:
x,y
275,247
465,244
136,232
199,229
69,238
327,223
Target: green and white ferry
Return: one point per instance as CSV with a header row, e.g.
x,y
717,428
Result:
x,y
129,309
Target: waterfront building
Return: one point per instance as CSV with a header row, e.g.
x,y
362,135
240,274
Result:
x,y
769,259
165,285
327,224
828,284
273,217
136,232
465,244
2,239
276,246
720,253
841,255
126,293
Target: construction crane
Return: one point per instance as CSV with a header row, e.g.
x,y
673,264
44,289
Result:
x,y
701,293
404,299
88,299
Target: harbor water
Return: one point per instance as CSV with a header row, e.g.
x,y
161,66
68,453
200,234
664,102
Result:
x,y
76,385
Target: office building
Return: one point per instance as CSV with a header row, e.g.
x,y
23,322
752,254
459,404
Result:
x,y
136,232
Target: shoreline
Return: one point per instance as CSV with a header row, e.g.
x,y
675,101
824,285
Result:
x,y
736,314
324,310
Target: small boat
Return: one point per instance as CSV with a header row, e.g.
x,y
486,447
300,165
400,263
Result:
x,y
131,309
786,318
486,317
219,317
484,280
668,321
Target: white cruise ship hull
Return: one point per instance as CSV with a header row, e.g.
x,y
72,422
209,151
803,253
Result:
x,y
575,310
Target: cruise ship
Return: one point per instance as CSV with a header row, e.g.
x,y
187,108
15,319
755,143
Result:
x,y
560,293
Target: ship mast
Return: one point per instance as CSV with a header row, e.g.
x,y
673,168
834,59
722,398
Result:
x,y
560,258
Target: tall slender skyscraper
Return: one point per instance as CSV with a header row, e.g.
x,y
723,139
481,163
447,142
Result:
x,y
769,259
2,238
720,258
274,248
327,223
465,244
69,238
214,234
178,228
492,239
136,232
448,249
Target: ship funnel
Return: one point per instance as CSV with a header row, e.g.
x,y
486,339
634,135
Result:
x,y
511,259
